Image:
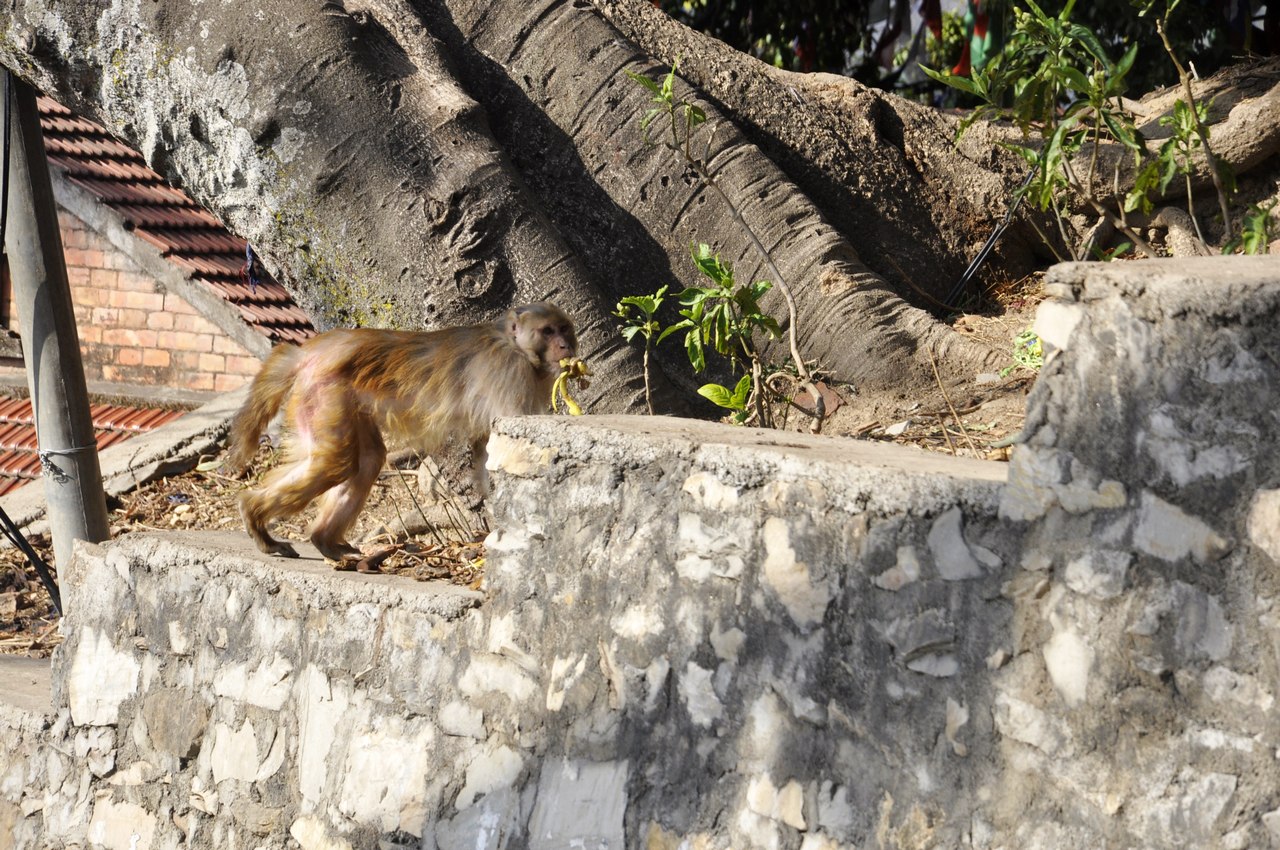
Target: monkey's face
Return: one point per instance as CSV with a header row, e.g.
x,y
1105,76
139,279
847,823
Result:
x,y
544,333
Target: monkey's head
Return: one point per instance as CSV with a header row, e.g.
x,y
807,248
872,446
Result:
x,y
543,333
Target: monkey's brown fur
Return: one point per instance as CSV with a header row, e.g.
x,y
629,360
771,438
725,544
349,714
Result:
x,y
343,390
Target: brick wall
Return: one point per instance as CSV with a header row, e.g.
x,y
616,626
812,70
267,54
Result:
x,y
133,332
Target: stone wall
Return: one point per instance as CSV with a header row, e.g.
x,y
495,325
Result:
x,y
705,637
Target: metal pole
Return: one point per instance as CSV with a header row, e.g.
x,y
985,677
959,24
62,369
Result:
x,y
77,508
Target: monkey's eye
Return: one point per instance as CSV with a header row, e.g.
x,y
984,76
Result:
x,y
548,331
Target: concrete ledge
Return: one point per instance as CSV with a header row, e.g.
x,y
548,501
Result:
x,y
26,689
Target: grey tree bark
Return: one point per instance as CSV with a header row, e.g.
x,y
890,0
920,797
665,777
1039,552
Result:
x,y
415,162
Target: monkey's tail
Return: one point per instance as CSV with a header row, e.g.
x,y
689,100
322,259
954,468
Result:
x,y
266,395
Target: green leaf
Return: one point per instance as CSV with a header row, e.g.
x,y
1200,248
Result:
x,y
629,332
669,331
963,84
741,392
720,396
693,349
1122,131
644,81
1076,80
1126,62
1085,36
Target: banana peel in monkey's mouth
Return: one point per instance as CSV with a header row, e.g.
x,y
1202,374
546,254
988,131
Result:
x,y
570,367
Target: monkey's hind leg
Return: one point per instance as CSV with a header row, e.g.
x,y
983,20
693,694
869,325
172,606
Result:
x,y
256,519
285,492
342,504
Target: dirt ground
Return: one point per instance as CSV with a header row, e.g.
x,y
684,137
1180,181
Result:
x,y
974,418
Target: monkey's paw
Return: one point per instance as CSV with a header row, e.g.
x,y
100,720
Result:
x,y
570,367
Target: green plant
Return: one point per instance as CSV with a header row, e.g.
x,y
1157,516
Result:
x,y
644,323
682,120
1028,352
724,317
1255,231
1195,117
1055,77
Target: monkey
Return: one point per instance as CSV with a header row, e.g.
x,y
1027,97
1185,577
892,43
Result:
x,y
344,390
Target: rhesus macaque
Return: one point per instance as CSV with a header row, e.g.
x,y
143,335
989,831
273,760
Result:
x,y
343,390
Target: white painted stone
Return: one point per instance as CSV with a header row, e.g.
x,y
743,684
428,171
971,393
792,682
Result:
x,y
768,723
655,676
323,711
940,665
1069,660
755,831
1264,523
516,457
504,639
121,826
1234,365
1222,684
496,767
1056,321
703,551
564,673
580,804
951,554
728,643
990,560
1166,532
487,825
1080,495
1202,629
1029,492
1217,739
957,718
902,573
101,678
835,813
998,659
179,639
1183,460
699,696
805,600
1188,817
1023,722
710,493
1099,573
784,804
1271,820
203,798
138,773
267,686
462,720
1036,560
385,776
638,621
818,841
489,673
235,753
310,833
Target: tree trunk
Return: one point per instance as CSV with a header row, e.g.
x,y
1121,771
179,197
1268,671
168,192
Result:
x,y
409,163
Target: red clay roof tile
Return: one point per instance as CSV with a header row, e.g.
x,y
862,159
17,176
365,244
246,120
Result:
x,y
19,461
186,234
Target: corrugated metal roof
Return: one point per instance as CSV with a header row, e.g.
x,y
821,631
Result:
x,y
187,235
112,423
